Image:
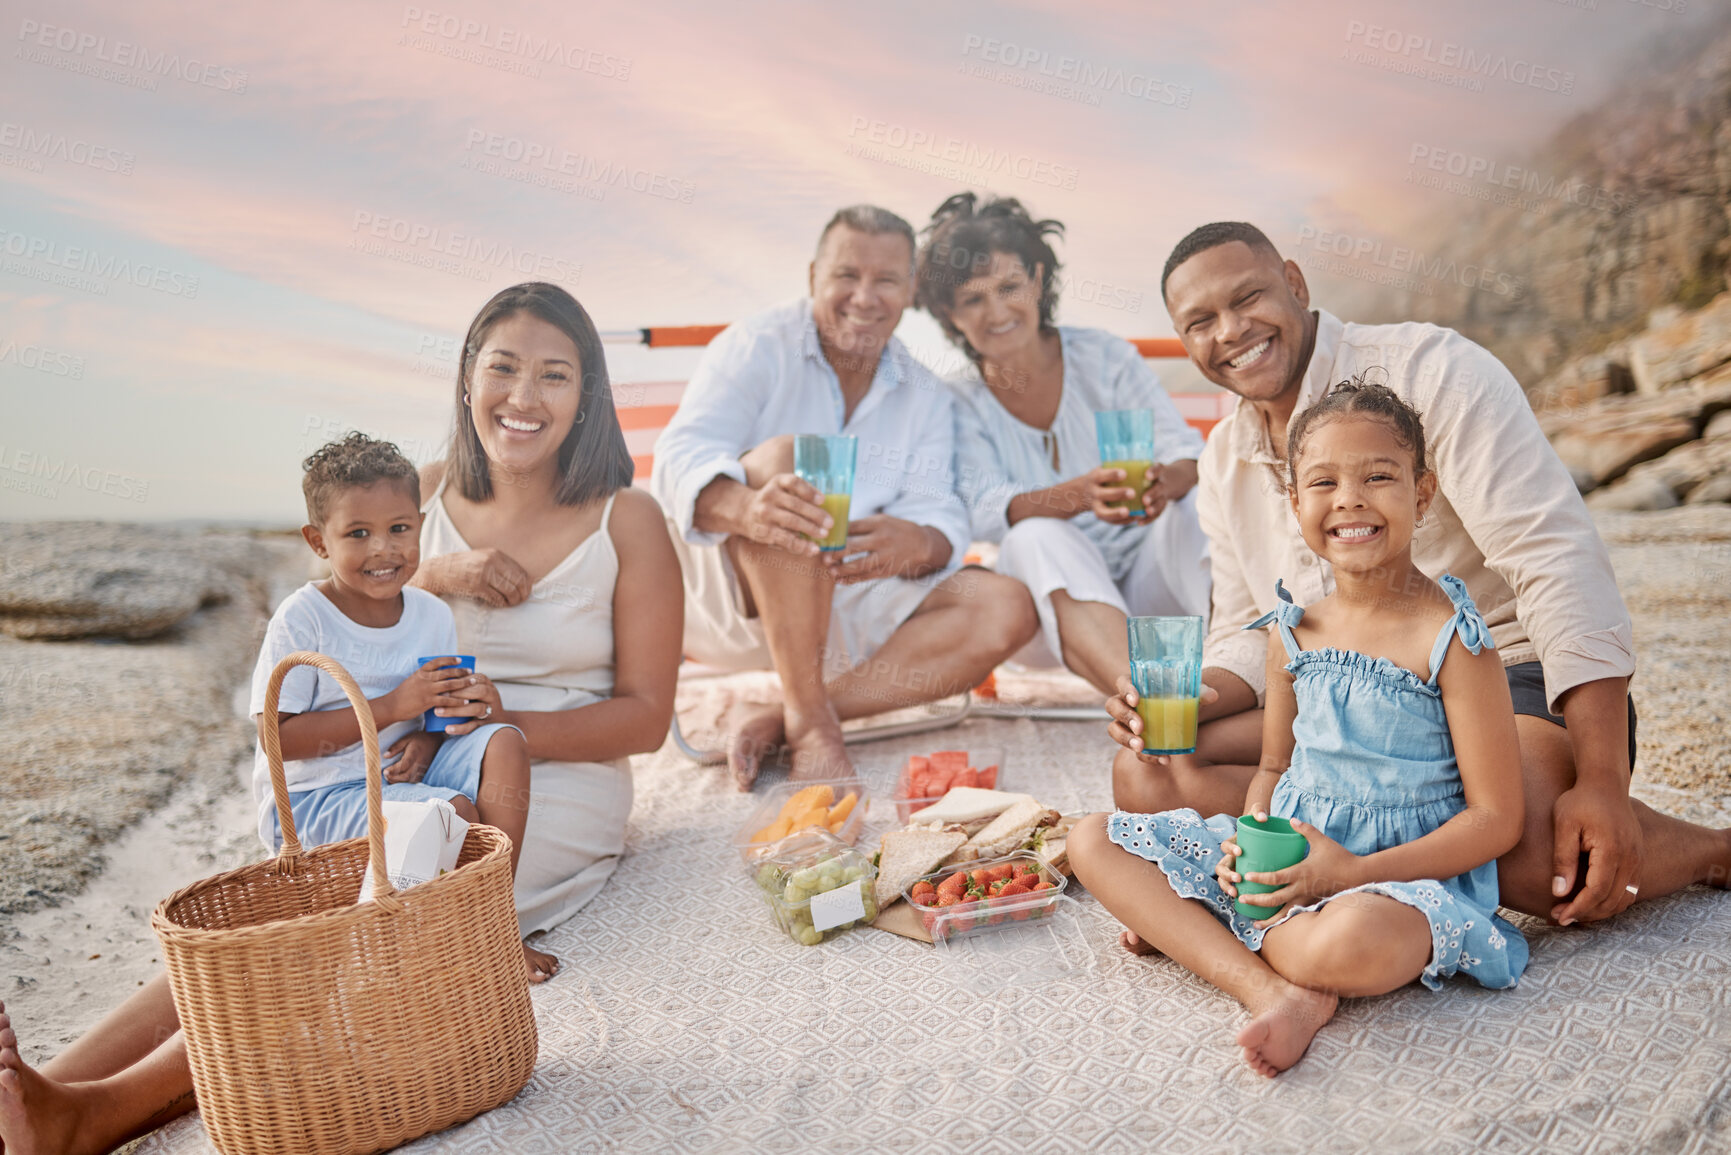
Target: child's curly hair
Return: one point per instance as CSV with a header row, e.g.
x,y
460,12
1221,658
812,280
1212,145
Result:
x,y
355,461
1360,398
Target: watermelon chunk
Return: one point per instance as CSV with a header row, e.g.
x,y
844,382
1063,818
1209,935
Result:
x,y
968,777
917,778
988,777
946,764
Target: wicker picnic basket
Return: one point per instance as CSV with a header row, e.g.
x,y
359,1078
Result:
x,y
319,1026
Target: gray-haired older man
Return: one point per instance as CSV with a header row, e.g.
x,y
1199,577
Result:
x,y
888,622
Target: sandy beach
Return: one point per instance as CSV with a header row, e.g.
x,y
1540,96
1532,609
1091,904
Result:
x,y
136,811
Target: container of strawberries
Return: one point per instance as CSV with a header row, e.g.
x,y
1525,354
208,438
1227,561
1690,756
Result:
x,y
961,901
927,778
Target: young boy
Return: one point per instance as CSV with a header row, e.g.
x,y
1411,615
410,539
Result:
x,y
363,513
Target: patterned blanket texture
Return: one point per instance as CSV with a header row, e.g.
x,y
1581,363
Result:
x,y
684,1021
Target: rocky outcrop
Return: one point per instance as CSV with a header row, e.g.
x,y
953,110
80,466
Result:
x,y
95,579
1604,438
1625,210
1681,346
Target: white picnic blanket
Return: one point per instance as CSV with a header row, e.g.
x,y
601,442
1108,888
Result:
x,y
684,1021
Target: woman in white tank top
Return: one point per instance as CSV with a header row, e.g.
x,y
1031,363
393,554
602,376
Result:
x,y
564,584
565,588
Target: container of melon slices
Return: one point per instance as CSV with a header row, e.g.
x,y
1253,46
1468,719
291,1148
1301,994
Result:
x,y
837,805
926,779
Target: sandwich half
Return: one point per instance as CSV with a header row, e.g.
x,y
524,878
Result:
x,y
907,854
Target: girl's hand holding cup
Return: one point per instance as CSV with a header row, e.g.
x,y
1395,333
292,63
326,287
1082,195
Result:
x,y
1223,872
1326,869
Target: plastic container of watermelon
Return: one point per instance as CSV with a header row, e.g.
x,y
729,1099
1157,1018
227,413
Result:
x,y
927,778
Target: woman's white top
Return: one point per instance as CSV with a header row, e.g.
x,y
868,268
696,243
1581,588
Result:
x,y
553,651
999,456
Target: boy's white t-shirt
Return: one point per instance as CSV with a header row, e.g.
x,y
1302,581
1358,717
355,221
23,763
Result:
x,y
379,660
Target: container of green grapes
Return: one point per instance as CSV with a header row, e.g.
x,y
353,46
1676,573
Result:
x,y
816,886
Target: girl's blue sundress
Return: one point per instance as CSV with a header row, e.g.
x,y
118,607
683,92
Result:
x,y
1373,766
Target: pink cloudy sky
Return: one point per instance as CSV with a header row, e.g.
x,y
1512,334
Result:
x,y
193,294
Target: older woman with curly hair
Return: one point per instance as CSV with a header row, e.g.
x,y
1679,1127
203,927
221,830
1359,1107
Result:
x,y
1027,452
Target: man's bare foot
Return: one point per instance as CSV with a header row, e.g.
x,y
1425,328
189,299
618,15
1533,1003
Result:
x,y
758,738
817,751
37,1116
542,966
1132,942
1281,1027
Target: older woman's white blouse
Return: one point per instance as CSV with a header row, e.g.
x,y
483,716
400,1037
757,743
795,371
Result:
x,y
998,456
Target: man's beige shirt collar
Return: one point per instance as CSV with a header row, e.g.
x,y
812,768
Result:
x,y
1250,433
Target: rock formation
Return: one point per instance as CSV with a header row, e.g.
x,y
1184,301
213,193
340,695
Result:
x,y
96,579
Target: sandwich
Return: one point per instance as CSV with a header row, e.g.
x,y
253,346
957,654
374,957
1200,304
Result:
x,y
1008,832
907,854
966,804
1051,843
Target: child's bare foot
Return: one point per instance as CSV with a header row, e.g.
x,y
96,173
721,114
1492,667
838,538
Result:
x,y
1132,942
1280,1029
542,966
37,1116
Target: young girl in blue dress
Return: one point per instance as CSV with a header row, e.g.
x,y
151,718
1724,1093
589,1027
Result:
x,y
1389,742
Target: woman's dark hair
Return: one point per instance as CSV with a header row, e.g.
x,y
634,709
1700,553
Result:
x,y
1358,398
593,460
959,245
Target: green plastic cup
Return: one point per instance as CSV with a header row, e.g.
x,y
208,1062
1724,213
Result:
x,y
1270,845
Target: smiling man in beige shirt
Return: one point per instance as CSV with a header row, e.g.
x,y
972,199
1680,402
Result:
x,y
1507,521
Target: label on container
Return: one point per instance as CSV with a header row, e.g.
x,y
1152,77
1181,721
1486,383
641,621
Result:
x,y
834,907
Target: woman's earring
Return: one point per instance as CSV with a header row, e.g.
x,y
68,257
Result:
x,y
1422,519
465,398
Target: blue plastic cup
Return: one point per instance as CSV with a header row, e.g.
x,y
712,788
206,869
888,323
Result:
x,y
432,722
1166,671
826,463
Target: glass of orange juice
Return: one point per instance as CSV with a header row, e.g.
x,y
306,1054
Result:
x,y
826,464
1127,443
1166,671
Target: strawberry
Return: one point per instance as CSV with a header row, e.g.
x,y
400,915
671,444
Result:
x,y
997,887
982,878
957,882
1040,885
924,892
1011,892
1002,872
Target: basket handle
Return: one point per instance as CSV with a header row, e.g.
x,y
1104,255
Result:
x,y
272,739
